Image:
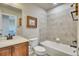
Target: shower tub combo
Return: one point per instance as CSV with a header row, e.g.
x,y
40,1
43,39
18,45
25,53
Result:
x,y
58,49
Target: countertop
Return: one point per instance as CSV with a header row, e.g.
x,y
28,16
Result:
x,y
15,40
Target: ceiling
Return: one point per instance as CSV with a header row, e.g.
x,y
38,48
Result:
x,y
47,6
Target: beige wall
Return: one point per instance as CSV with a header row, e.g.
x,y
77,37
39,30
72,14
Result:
x,y
29,10
61,25
41,15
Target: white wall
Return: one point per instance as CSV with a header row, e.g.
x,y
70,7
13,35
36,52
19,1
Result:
x,y
40,14
61,25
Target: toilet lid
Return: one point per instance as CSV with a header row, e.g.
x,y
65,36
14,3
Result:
x,y
40,48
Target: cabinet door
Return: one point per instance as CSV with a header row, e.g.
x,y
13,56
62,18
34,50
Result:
x,y
20,49
5,51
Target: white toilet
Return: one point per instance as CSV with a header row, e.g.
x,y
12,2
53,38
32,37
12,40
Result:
x,y
38,50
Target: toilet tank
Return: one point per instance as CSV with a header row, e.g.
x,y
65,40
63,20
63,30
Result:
x,y
34,42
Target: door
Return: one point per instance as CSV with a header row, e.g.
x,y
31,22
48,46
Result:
x,y
20,49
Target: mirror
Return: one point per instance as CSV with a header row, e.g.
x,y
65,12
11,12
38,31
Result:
x,y
9,24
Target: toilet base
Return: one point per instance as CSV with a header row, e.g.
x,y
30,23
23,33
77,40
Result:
x,y
40,51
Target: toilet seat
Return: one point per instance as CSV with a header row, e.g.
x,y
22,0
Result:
x,y
39,50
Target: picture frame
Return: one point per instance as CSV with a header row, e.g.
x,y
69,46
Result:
x,y
20,22
74,16
31,22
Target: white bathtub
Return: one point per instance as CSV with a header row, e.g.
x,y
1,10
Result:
x,y
58,49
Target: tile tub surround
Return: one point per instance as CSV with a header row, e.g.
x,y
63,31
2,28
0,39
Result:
x,y
61,25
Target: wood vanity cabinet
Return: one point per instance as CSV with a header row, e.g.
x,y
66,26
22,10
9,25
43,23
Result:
x,y
15,50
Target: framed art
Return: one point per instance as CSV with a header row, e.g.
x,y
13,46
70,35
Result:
x,y
20,22
74,16
31,22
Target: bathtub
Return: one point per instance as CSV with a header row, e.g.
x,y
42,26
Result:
x,y
58,49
